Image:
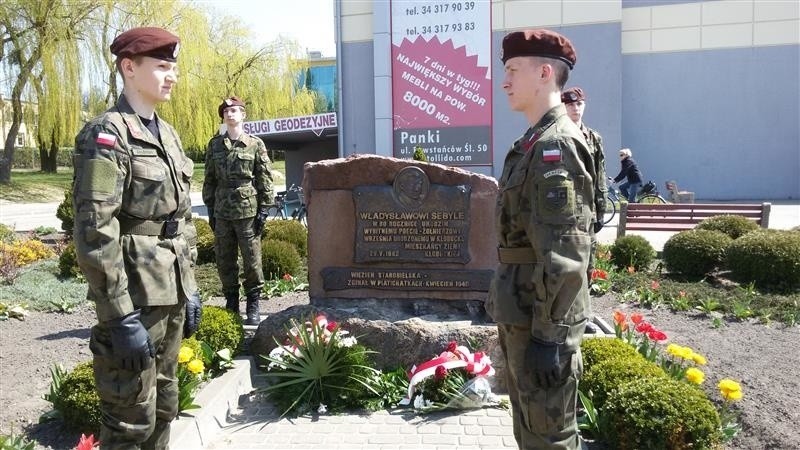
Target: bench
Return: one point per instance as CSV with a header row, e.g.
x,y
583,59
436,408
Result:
x,y
680,217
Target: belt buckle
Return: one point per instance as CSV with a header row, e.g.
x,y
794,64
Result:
x,y
170,228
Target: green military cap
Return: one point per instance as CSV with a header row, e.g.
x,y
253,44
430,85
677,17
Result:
x,y
539,42
147,41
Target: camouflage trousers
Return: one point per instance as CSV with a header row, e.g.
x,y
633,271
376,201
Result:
x,y
231,236
543,418
138,407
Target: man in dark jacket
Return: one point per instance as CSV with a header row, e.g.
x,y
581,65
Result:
x,y
631,187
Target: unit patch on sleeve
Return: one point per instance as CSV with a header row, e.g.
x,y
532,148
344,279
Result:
x,y
556,173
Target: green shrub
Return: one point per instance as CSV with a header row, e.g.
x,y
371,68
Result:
x,y
733,226
66,213
279,258
221,328
291,231
632,251
605,376
419,154
660,413
695,252
205,241
7,234
30,158
597,350
193,344
68,262
770,258
77,400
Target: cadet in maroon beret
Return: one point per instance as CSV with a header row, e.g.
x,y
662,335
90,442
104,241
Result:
x,y
136,244
545,209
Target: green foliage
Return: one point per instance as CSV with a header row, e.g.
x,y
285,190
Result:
x,y
695,252
59,374
66,213
605,376
221,328
205,242
391,387
632,251
7,234
279,258
68,262
40,284
287,283
419,154
207,279
660,413
77,400
291,231
733,226
324,373
770,258
597,350
42,230
29,158
16,442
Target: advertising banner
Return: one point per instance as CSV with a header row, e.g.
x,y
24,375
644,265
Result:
x,y
315,123
441,80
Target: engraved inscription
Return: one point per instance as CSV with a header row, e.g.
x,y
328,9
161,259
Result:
x,y
389,230
338,278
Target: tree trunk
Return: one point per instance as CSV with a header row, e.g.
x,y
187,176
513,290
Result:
x,y
7,160
50,159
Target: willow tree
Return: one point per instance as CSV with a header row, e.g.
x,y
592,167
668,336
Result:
x,y
30,28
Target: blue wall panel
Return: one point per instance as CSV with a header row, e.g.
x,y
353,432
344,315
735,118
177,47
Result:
x,y
357,102
723,123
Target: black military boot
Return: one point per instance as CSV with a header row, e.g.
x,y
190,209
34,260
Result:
x,y
253,317
232,301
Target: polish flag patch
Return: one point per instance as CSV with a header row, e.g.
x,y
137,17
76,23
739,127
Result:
x,y
551,155
106,139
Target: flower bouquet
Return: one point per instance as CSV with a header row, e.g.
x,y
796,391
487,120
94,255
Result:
x,y
456,379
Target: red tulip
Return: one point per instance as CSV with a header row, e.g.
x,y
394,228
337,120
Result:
x,y
657,335
619,317
441,373
636,318
451,346
644,327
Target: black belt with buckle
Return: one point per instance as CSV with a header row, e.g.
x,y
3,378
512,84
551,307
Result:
x,y
171,229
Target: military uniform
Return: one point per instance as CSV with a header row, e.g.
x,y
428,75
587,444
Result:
x,y
135,244
600,189
238,184
544,214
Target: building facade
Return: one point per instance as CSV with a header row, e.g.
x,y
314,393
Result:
x,y
706,93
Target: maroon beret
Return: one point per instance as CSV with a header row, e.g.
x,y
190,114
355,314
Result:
x,y
147,41
572,95
540,42
228,102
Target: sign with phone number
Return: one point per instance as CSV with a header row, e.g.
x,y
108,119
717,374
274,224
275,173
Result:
x,y
441,80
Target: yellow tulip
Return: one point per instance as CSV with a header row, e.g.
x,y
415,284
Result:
x,y
674,349
732,395
195,366
695,375
185,354
699,359
729,385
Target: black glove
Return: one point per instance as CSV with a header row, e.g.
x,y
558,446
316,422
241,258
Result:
x,y
212,221
130,342
194,313
544,361
598,225
259,221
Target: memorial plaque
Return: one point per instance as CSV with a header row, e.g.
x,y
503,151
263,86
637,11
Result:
x,y
412,221
338,278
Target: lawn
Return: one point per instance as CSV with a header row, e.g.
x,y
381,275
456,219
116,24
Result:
x,y
30,186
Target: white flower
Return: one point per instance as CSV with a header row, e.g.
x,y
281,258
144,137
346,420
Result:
x,y
322,409
347,342
419,402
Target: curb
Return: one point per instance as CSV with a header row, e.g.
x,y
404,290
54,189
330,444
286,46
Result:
x,y
197,428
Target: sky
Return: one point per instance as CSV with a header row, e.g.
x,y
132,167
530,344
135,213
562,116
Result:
x,y
309,22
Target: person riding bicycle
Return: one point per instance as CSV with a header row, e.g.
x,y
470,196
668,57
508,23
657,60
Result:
x,y
631,187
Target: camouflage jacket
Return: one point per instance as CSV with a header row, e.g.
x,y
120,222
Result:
x,y
595,142
238,179
544,211
134,239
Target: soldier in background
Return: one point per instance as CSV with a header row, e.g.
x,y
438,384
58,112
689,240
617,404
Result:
x,y
575,101
238,192
545,211
135,244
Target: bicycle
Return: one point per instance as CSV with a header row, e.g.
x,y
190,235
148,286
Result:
x,y
647,194
289,204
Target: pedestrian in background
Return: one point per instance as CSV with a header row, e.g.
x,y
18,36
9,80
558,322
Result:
x,y
238,192
629,170
136,244
545,211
